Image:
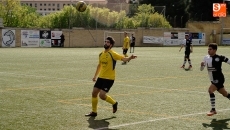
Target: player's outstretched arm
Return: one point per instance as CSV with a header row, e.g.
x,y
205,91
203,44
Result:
x,y
128,58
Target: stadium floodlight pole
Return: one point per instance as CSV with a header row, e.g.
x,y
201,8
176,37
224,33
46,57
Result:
x,y
96,26
70,19
222,26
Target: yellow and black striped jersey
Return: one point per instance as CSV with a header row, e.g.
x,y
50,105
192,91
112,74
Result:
x,y
107,60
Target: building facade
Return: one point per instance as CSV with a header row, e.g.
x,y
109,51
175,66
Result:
x,y
47,6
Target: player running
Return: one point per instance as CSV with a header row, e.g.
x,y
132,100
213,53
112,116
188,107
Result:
x,y
214,67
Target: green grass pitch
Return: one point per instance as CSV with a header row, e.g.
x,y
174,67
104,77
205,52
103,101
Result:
x,y
50,89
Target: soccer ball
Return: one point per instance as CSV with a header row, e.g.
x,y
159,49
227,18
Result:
x,y
81,6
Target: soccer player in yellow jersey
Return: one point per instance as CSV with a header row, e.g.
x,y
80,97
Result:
x,y
106,72
125,46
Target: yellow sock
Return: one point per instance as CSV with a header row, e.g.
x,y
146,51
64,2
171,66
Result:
x,y
110,100
94,104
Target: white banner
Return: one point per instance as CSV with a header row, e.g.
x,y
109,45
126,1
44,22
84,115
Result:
x,y
56,34
8,38
29,38
152,39
226,39
176,38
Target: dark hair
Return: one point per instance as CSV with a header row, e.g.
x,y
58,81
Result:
x,y
111,40
213,46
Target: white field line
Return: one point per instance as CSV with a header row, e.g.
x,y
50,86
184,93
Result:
x,y
154,120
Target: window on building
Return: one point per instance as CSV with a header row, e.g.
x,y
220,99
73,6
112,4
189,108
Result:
x,y
63,5
31,5
35,4
58,9
53,9
53,4
44,9
49,4
57,5
49,9
41,4
40,9
44,4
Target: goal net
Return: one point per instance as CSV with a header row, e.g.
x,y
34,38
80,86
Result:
x,y
118,36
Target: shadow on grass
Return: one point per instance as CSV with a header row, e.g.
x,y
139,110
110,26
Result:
x,y
218,124
102,124
187,69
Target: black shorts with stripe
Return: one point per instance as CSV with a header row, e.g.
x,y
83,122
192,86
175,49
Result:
x,y
104,84
219,83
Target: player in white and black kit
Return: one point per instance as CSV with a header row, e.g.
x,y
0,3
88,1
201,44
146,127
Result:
x,y
188,49
214,67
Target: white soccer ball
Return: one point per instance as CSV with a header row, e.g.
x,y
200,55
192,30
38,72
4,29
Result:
x,y
81,6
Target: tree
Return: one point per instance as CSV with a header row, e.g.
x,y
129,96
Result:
x,y
147,17
201,10
175,10
15,15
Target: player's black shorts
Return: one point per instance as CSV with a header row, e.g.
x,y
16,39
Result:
x,y
187,54
132,44
125,51
104,84
219,83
